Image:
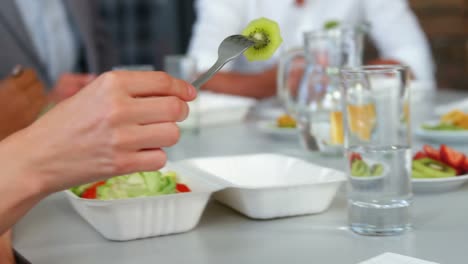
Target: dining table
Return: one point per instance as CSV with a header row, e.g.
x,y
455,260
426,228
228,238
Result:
x,y
52,232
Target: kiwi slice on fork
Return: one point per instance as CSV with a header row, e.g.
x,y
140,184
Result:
x,y
266,34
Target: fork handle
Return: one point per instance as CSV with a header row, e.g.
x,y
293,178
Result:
x,y
208,74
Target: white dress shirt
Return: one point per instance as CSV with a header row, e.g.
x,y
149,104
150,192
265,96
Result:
x,y
51,33
393,28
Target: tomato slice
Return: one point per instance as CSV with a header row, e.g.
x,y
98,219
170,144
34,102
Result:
x,y
432,152
91,192
452,157
180,187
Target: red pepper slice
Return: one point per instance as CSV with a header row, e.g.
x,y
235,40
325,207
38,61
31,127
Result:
x,y
180,187
91,192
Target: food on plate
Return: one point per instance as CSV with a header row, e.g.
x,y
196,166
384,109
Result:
x,y
140,184
429,168
442,126
355,156
444,162
331,24
376,170
359,168
457,118
452,157
431,152
286,121
267,36
452,121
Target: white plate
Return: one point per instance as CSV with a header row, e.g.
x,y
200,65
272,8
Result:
x,y
218,109
439,184
265,186
461,105
268,109
270,127
460,136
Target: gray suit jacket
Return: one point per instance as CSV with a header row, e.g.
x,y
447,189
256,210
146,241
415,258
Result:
x,y
16,46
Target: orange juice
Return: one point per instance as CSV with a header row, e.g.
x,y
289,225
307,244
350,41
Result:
x,y
336,128
361,120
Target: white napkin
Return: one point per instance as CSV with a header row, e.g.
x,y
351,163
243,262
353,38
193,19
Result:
x,y
392,258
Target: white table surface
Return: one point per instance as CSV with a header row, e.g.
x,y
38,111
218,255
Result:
x,y
53,233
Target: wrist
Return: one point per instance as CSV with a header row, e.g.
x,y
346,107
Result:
x,y
20,188
21,181
6,249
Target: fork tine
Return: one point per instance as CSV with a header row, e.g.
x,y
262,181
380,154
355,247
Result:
x,y
230,48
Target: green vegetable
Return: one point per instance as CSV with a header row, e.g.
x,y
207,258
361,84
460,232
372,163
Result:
x,y
331,24
359,168
442,126
376,169
138,184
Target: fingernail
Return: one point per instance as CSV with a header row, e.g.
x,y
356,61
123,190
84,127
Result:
x,y
192,92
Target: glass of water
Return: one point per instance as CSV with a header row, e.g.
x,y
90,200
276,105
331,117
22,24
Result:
x,y
185,68
375,104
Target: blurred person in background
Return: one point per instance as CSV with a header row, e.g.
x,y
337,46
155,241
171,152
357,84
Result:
x,y
62,39
393,28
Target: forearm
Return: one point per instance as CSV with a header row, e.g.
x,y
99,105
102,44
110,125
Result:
x,y
19,188
252,85
6,249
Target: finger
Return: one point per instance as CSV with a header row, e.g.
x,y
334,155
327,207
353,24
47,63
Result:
x,y
148,137
147,83
148,110
145,160
87,78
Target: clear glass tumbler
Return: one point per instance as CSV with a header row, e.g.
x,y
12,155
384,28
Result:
x,y
185,68
375,104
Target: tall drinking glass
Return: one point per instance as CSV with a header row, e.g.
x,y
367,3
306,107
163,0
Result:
x,y
377,144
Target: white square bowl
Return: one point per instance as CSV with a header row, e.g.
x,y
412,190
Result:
x,y
135,218
265,186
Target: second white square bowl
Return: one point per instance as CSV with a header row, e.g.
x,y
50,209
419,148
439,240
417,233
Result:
x,y
265,186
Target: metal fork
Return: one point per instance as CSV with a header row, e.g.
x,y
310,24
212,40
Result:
x,y
230,48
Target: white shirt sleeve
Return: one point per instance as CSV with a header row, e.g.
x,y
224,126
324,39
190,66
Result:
x,y
215,20
398,35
